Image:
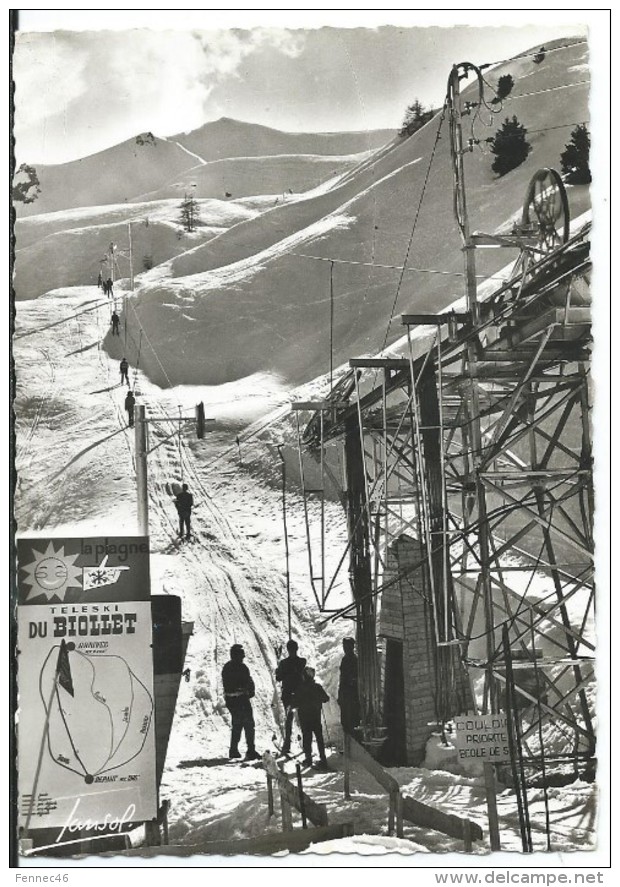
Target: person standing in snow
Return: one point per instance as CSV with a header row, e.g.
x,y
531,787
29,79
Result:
x,y
289,673
184,503
109,286
309,698
238,690
130,403
100,281
124,368
115,321
348,691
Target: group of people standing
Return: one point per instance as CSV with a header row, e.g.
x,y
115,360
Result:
x,y
106,285
300,693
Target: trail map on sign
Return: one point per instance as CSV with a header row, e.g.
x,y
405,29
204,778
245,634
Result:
x,y
105,723
86,729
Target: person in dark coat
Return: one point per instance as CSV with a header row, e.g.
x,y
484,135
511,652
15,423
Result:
x,y
309,698
115,321
348,692
109,286
238,690
184,503
100,281
130,403
289,673
124,368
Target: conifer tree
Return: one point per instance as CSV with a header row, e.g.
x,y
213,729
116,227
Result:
x,y
575,159
189,216
504,86
510,146
415,118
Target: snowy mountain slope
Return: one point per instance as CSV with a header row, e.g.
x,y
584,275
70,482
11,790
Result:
x,y
214,213
144,164
75,467
225,137
251,285
76,476
267,309
65,248
246,176
111,176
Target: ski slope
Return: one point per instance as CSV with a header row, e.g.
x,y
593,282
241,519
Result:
x,y
76,476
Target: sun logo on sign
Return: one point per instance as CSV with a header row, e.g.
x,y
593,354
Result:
x,y
52,573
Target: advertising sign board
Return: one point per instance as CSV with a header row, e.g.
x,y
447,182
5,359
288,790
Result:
x,y
86,715
108,568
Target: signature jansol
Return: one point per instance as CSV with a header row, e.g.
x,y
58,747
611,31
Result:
x,y
113,823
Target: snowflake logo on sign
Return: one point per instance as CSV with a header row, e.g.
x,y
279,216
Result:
x,y
98,576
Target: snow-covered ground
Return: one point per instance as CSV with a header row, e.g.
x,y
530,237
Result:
x,y
240,300
76,474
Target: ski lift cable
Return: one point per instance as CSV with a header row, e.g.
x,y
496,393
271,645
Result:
x,y
415,222
525,95
534,54
560,126
409,269
151,346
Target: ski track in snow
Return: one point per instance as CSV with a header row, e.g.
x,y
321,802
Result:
x,y
197,157
81,481
76,475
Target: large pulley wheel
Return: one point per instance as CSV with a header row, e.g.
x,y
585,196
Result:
x,y
545,211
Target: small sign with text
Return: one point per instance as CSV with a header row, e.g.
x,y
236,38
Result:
x,y
483,738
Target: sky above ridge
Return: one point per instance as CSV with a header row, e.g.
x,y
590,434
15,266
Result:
x,y
78,92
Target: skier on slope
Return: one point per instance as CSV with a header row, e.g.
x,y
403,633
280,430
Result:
x,y
124,368
309,698
184,503
289,672
130,403
238,690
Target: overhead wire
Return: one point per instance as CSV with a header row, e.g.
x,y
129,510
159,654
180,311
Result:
x,y
414,225
526,55
525,95
409,269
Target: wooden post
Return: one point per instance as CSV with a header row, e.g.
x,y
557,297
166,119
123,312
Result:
x,y
302,806
489,782
347,764
391,814
165,807
151,833
270,806
287,818
398,803
467,835
294,795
